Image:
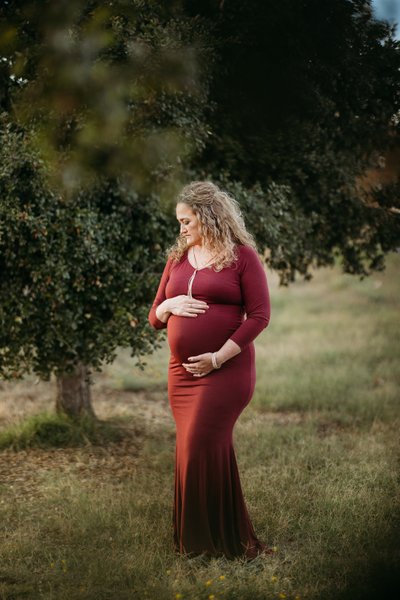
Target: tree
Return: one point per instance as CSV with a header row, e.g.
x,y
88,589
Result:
x,y
304,97
110,106
76,276
101,105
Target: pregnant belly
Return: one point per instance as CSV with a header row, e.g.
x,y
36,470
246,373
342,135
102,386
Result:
x,y
189,336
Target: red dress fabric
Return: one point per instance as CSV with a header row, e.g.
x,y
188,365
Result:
x,y
209,512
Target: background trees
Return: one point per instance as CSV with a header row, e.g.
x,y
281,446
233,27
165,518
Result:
x,y
76,275
108,107
305,95
100,106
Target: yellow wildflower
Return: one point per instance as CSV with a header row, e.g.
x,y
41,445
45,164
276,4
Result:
x,y
178,596
274,579
209,582
282,595
211,597
274,548
222,576
52,565
168,571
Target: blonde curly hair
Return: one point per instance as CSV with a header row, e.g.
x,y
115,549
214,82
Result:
x,y
220,222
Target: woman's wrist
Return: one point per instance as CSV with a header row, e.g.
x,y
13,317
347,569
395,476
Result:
x,y
227,351
214,359
163,311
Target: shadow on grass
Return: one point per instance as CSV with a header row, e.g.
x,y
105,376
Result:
x,y
49,430
378,576
374,575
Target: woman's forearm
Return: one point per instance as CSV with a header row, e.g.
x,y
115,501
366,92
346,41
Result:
x,y
162,311
227,351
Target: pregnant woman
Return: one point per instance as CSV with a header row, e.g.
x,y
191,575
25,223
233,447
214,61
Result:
x,y
212,278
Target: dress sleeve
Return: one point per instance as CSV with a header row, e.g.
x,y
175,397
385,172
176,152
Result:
x,y
160,297
256,299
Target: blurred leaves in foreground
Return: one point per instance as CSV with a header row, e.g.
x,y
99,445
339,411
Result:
x,y
107,87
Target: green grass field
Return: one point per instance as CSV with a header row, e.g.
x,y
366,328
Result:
x,y
317,449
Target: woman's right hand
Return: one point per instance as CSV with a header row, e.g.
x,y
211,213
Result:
x,y
185,306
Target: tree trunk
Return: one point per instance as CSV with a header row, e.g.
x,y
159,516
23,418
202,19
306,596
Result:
x,y
73,393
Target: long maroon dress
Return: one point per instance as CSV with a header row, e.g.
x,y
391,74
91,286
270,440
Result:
x,y
209,512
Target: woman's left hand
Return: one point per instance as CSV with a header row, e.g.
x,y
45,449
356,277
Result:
x,y
199,365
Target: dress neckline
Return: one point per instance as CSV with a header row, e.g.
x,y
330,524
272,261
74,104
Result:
x,y
195,268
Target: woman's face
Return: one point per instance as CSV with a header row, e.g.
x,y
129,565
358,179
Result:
x,y
189,224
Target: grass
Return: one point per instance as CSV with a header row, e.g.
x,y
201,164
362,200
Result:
x,y
317,449
48,430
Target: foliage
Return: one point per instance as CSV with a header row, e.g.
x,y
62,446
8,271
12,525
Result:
x,y
102,105
77,276
305,95
109,107
108,88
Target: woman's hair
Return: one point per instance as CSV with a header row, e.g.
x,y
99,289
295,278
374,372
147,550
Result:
x,y
220,221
